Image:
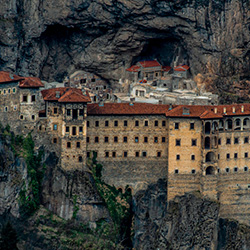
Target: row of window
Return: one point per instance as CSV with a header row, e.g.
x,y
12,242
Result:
x,y
33,117
8,91
80,158
178,142
177,125
236,140
25,98
125,154
178,157
6,108
125,123
69,144
125,139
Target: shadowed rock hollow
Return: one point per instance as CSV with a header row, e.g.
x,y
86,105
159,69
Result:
x,y
50,38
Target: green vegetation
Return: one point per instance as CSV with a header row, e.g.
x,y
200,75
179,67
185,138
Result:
x,y
75,207
118,204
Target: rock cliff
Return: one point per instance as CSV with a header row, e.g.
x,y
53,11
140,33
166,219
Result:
x,y
50,38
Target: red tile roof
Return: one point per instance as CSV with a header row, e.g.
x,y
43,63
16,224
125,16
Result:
x,y
8,77
149,64
166,68
133,68
127,109
181,68
31,82
65,95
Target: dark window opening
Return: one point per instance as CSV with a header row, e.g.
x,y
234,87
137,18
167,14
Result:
x,y
25,98
97,123
156,123
191,126
137,123
146,123
125,123
73,130
106,139
55,110
210,170
116,123
115,139
78,144
96,139
178,142
55,140
178,157
106,123
75,116
125,139
68,144
176,125
80,159
33,98
145,139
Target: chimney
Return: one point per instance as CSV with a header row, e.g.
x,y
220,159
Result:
x,y
224,110
160,101
215,110
170,106
242,109
186,111
233,109
132,100
101,102
57,94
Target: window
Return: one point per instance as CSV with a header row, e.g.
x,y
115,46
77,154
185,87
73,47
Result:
x,y
55,110
68,112
163,123
115,139
219,141
193,171
80,158
228,141
218,156
246,154
106,123
156,123
116,123
73,130
144,154
178,157
192,157
177,142
68,144
125,123
55,127
21,117
25,98
88,124
146,123
236,140
78,144
137,123
93,80
113,154
193,142
246,139
5,109
33,98
67,129
137,153
106,139
87,139
245,169
80,129
136,139
33,117
227,170
176,171
125,154
228,156
96,139
235,155
218,170
191,125
158,154
88,154
176,125
14,90
81,112
97,123
163,139
9,91
145,139
106,154
155,139
235,169
54,140
125,139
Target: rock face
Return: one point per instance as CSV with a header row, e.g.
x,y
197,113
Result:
x,y
189,222
51,38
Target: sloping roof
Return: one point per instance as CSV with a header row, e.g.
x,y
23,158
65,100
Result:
x,y
127,109
181,68
65,95
133,68
166,68
31,82
149,64
8,77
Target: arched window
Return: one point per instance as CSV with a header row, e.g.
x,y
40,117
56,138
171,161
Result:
x,y
207,128
210,157
221,125
207,142
246,123
229,124
237,124
210,170
80,158
214,126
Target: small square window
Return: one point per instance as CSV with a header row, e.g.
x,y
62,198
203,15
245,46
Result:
x,y
33,117
88,124
137,123
106,154
125,139
78,144
228,141
236,140
68,112
193,171
218,156
115,139
156,123
87,139
178,157
67,129
176,171
106,123
96,139
33,98
192,157
81,112
116,123
227,170
235,169
88,154
113,154
54,140
68,144
144,154
163,123
246,139
246,154
194,142
178,142
125,154
176,125
125,123
106,139
191,125
145,139
136,139
55,110
218,170
163,139
155,139
245,169
146,123
55,127
80,158
228,156
137,153
97,123
235,155
219,141
80,129
159,154
25,98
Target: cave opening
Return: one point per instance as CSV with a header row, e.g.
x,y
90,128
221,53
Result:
x,y
168,51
